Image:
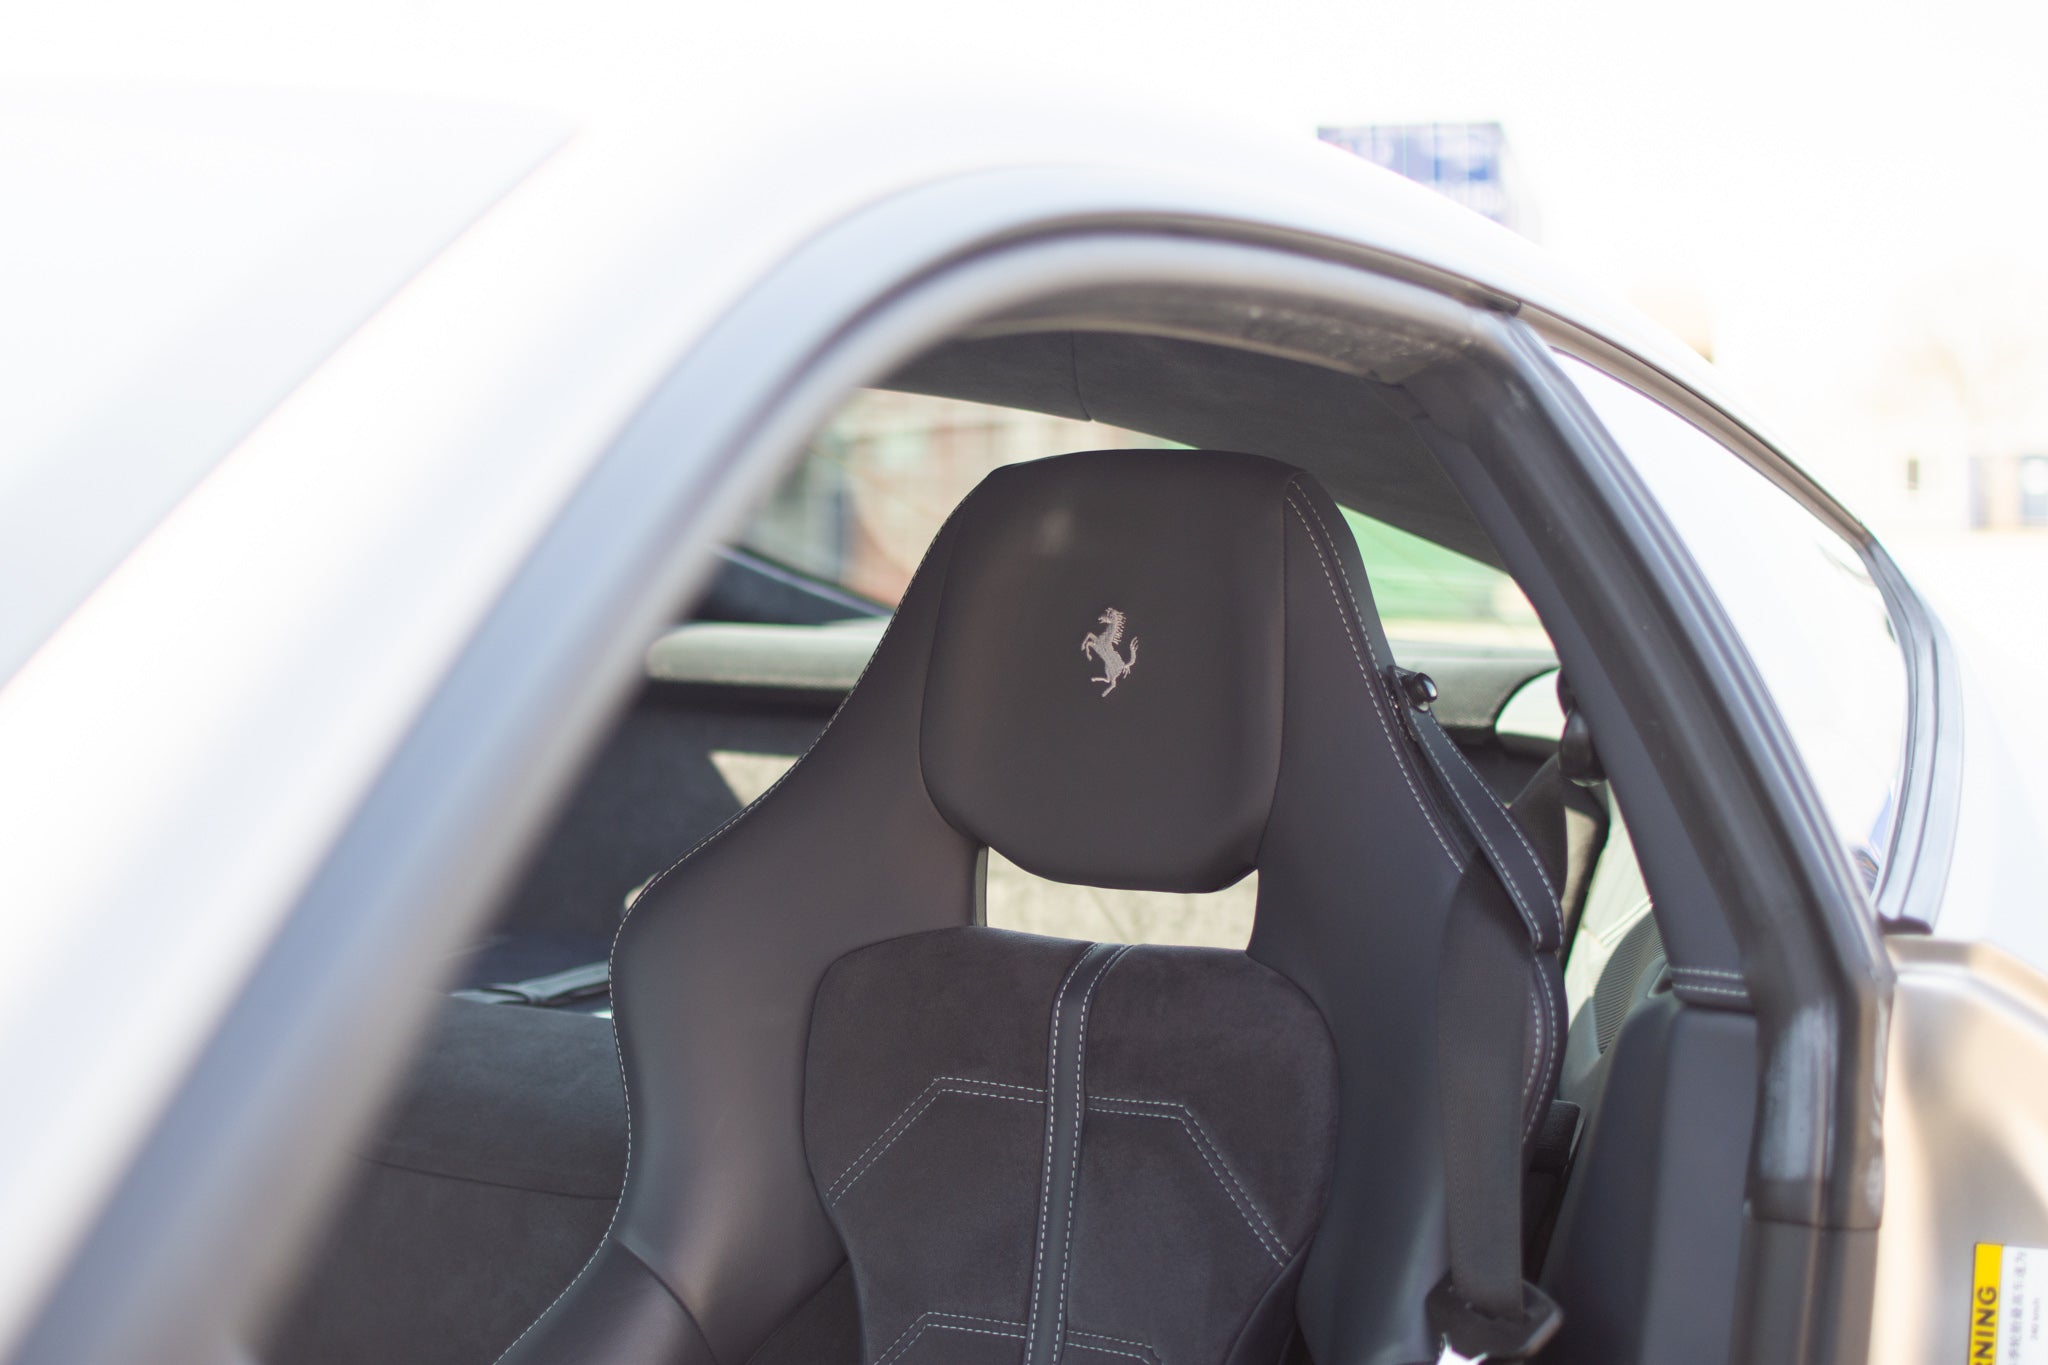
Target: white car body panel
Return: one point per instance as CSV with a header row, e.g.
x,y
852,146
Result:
x,y
1966,1141
176,264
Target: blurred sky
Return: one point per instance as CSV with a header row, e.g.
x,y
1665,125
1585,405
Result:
x,y
1810,189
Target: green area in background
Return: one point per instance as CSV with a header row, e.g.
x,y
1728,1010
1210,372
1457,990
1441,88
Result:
x,y
1414,579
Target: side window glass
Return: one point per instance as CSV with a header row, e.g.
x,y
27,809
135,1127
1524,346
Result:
x,y
874,487
1430,597
1800,596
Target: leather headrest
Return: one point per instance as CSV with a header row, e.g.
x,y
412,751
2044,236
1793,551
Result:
x,y
1104,697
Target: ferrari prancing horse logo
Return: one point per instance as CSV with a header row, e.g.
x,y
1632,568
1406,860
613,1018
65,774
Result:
x,y
1102,644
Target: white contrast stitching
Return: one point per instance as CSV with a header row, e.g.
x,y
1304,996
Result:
x,y
1052,1064
936,1080
852,1174
1143,1352
1372,685
1121,1341
1528,920
1059,1318
996,1327
1556,911
1529,1076
1500,865
1729,992
910,1334
1515,828
1738,991
1542,877
1545,1029
1247,1208
1403,759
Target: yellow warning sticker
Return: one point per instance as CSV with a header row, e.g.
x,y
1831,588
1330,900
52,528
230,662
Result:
x,y
2006,1305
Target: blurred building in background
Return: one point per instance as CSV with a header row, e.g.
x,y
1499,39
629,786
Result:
x,y
1464,162
871,489
1960,411
2008,492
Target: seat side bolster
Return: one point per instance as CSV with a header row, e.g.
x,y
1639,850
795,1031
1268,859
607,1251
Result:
x,y
619,1310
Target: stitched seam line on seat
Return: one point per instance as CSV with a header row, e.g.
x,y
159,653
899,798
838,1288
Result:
x,y
1556,911
1500,864
626,1095
959,1085
1550,1039
1121,1341
1059,1317
1400,755
1542,1023
852,1176
1542,878
1512,884
1286,652
1143,1352
1708,971
1372,684
1529,1075
1694,988
1376,681
1052,1064
908,1337
1544,1031
1509,880
1212,1157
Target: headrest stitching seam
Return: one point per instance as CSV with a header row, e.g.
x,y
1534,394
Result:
x,y
1372,686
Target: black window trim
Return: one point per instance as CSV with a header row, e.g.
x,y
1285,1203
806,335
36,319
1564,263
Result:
x,y
1910,889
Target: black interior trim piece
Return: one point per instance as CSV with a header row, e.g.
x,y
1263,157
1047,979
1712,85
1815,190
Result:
x,y
1809,948
751,587
1655,1195
571,984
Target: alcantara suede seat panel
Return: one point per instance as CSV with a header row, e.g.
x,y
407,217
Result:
x,y
1203,1086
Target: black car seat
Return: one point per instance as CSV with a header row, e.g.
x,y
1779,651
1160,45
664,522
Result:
x,y
862,1128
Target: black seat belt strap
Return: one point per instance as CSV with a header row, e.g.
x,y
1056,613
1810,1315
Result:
x,y
1501,841
1483,1309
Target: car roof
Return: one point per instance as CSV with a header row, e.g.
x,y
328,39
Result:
x,y
736,175
834,142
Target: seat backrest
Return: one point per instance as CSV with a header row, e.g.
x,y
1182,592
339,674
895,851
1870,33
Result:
x,y
1036,1149
1148,669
